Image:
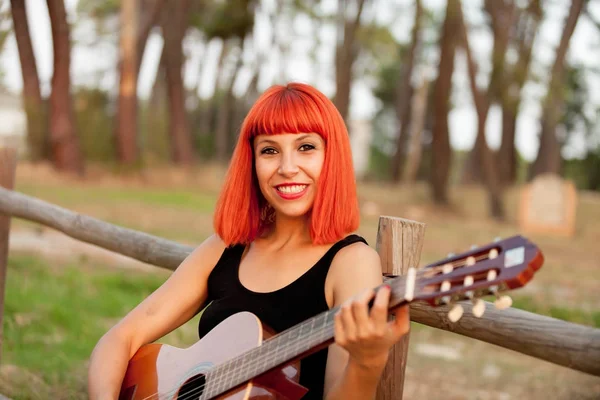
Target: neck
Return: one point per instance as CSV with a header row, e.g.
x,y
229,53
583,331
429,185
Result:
x,y
289,230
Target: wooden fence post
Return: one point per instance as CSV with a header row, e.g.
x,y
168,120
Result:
x,y
399,244
8,166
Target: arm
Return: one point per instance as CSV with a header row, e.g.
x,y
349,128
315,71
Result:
x,y
362,339
154,317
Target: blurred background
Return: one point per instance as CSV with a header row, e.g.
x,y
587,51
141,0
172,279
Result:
x,y
477,117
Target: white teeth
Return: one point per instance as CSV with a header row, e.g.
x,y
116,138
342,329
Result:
x,y
291,189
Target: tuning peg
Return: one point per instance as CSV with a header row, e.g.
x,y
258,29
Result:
x,y
470,261
447,268
478,308
503,302
455,313
450,255
473,246
446,285
493,254
497,239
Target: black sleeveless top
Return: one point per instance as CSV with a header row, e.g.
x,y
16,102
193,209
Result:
x,y
280,310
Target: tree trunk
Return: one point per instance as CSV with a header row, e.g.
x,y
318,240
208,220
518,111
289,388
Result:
x,y
219,102
345,55
482,101
511,92
127,127
549,159
502,16
404,94
148,18
65,144
507,154
440,146
225,116
35,109
174,28
419,113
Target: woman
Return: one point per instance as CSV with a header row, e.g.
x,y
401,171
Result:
x,y
282,249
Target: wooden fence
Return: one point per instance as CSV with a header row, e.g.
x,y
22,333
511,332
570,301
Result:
x,y
399,243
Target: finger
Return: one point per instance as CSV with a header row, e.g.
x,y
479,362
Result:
x,y
379,312
360,312
338,329
401,325
348,323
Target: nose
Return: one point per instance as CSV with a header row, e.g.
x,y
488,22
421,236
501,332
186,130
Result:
x,y
288,165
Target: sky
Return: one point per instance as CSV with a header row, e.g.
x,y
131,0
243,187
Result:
x,y
93,63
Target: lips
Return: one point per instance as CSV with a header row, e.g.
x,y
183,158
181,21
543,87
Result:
x,y
291,191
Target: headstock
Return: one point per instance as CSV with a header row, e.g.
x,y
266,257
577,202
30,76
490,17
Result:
x,y
491,269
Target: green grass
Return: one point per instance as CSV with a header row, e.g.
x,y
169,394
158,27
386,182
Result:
x,y
579,316
55,314
69,196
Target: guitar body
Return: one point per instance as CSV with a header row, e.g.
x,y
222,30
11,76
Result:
x,y
160,371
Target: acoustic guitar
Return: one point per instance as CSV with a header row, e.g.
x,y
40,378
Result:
x,y
242,359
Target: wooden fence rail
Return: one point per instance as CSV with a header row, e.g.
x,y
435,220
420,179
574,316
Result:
x,y
559,342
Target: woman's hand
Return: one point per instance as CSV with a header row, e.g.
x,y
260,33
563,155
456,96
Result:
x,y
366,336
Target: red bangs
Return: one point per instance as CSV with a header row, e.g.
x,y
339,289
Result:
x,y
284,110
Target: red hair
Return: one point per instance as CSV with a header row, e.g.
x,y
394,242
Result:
x,y
295,108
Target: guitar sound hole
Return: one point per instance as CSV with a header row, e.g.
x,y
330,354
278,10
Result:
x,y
193,388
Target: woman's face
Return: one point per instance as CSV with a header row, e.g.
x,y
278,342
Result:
x,y
288,167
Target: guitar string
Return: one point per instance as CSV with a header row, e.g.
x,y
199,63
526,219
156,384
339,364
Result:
x,y
259,359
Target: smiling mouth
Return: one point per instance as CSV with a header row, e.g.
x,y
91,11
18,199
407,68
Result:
x,y
292,189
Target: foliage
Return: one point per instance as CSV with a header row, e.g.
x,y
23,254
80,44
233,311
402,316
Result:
x,y
225,19
99,9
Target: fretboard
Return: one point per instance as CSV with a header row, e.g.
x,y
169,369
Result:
x,y
280,349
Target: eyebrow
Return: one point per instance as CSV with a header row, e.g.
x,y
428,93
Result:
x,y
308,135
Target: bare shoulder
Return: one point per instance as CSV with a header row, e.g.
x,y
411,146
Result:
x,y
209,250
355,268
357,258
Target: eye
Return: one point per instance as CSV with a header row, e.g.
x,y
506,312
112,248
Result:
x,y
307,147
267,150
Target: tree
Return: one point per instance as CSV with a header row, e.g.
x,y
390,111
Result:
x,y
417,124
404,97
240,13
174,25
65,145
510,98
549,158
35,108
128,71
502,15
346,52
137,18
484,161
440,147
